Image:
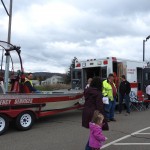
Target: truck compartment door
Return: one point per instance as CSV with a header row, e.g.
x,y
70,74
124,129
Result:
x,y
146,77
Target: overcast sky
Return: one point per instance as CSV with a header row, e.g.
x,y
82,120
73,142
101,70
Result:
x,y
52,32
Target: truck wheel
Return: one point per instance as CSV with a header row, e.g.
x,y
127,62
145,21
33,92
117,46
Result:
x,y
4,124
25,120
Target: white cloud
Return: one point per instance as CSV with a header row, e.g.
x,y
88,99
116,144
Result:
x,y
122,47
51,33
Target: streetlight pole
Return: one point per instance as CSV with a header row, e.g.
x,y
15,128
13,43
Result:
x,y
143,50
144,47
8,40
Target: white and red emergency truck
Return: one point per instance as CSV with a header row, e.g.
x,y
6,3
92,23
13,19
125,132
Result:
x,y
136,72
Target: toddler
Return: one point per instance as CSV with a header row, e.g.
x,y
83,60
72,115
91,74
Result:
x,y
97,138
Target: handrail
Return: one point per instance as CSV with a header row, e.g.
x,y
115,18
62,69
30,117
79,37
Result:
x,y
8,47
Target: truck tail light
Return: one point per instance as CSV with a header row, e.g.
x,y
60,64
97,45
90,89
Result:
x,y
105,62
78,65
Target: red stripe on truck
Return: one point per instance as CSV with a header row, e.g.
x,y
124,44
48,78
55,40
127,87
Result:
x,y
134,85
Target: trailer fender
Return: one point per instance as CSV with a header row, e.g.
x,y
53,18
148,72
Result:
x,y
13,113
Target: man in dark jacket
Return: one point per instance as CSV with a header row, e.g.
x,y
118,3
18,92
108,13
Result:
x,y
124,91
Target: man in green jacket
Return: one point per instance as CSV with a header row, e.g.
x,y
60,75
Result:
x,y
110,91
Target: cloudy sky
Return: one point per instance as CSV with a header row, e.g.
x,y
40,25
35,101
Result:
x,y
52,32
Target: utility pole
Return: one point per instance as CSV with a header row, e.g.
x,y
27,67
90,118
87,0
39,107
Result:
x,y
8,40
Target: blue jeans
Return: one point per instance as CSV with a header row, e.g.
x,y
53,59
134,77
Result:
x,y
127,102
110,109
87,147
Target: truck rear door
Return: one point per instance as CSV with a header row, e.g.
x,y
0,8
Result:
x,y
146,77
94,71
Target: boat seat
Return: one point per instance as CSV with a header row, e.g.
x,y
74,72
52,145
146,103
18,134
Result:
x,y
24,89
15,87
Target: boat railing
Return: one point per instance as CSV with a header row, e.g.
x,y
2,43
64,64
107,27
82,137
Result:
x,y
64,91
2,89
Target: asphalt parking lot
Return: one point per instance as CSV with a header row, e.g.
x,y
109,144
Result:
x,y
64,132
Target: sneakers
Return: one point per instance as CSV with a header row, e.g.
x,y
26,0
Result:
x,y
113,119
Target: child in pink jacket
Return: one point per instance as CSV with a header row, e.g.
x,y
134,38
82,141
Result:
x,y
97,138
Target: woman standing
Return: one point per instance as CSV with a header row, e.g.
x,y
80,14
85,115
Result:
x,y
93,101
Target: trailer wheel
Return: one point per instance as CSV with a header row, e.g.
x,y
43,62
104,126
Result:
x,y
25,120
4,124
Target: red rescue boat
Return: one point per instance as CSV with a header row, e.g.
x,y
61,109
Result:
x,y
24,107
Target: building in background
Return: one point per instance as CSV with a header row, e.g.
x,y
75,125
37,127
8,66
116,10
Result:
x,y
36,82
53,80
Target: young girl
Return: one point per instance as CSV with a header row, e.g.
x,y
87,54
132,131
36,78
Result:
x,y
96,139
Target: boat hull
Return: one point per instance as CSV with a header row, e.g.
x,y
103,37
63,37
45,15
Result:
x,y
52,101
